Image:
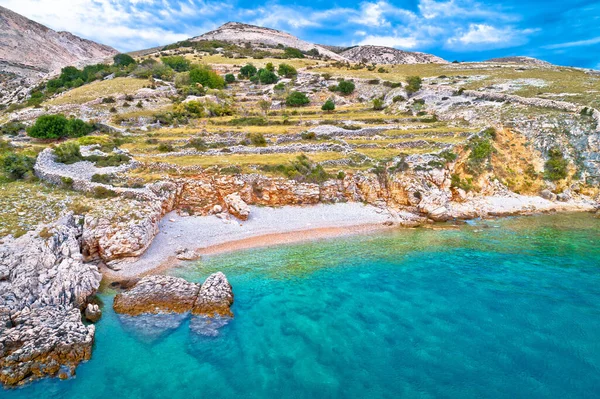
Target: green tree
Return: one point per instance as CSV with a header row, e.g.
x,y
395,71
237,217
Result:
x,y
78,128
287,71
328,106
248,71
414,84
123,60
346,87
267,77
206,77
177,62
296,99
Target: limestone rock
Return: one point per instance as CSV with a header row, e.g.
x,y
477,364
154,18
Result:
x,y
93,312
215,297
186,254
547,194
157,294
237,207
43,283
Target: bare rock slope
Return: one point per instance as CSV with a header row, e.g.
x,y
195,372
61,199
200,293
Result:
x,y
520,60
389,55
236,32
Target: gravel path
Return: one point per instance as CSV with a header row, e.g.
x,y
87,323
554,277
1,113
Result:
x,y
203,232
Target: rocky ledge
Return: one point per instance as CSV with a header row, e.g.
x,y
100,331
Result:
x,y
166,294
44,284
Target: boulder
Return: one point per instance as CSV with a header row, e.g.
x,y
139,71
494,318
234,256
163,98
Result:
x,y
237,207
215,297
167,294
547,194
93,312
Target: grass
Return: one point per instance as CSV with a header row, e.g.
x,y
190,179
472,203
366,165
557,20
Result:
x,y
259,63
99,89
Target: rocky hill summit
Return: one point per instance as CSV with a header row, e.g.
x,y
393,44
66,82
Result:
x,y
389,55
239,33
27,47
520,60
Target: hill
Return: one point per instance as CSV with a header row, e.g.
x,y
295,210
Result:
x,y
238,33
520,60
388,55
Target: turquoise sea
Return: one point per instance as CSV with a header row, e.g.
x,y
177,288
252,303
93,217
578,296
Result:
x,y
492,309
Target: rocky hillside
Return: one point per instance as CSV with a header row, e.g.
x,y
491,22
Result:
x,y
27,46
388,55
238,33
520,60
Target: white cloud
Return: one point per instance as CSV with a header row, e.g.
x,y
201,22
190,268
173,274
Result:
x,y
390,41
483,36
579,43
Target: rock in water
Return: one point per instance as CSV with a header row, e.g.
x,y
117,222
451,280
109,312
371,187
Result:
x,y
237,207
43,284
163,294
93,312
215,297
157,294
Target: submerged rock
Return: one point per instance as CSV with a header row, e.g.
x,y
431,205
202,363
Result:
x,y
166,294
43,285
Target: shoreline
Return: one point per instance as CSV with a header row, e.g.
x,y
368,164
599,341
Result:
x,y
209,235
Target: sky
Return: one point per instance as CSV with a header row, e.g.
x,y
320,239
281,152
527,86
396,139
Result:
x,y
564,32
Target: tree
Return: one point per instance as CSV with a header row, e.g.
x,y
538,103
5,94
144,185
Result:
x,y
346,87
267,77
287,71
291,52
296,99
328,106
248,71
206,77
123,60
229,78
177,63
414,84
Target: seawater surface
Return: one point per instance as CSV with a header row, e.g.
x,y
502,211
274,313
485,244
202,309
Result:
x,y
494,309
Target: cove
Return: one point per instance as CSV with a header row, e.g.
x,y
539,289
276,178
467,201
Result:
x,y
493,309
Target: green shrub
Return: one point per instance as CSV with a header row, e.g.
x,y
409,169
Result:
x,y
12,128
229,78
256,139
309,136
109,160
165,147
177,62
67,182
287,71
249,121
198,144
346,87
123,60
413,84
296,99
301,169
206,77
248,71
398,98
329,105
457,182
556,167
98,178
481,152
377,104
49,127
291,52
448,155
78,128
101,192
17,166
267,77
68,153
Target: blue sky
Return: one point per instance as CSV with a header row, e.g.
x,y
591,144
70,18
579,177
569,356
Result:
x,y
564,32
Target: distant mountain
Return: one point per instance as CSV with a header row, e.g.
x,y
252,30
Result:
x,y
238,33
520,60
389,55
29,49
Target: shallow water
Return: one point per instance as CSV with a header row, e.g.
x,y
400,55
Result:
x,y
495,309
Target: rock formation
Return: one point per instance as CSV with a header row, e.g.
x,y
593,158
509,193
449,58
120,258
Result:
x,y
237,207
43,286
389,55
165,294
